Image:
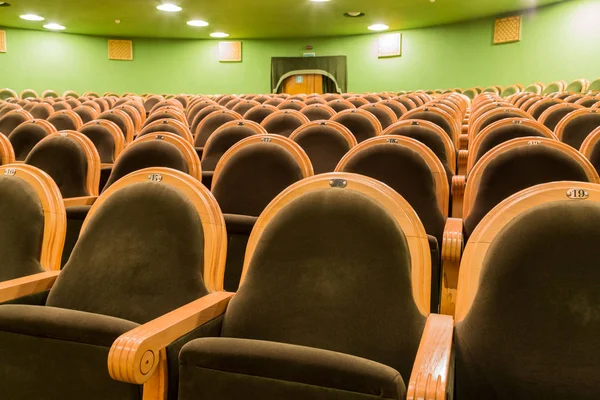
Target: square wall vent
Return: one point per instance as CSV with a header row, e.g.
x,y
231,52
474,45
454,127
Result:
x,y
120,50
507,30
390,45
230,51
2,42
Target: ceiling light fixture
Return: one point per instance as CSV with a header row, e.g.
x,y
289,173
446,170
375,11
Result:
x,y
169,7
55,27
319,1
4,4
219,34
31,17
354,14
197,22
379,27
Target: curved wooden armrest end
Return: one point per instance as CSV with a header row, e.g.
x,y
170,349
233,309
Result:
x,y
453,240
463,141
80,201
431,372
27,285
459,184
462,162
136,354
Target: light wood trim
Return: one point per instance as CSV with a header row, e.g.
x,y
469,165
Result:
x,y
30,91
395,204
543,102
452,248
488,130
597,105
488,107
233,114
92,156
170,112
459,183
442,190
456,125
526,98
213,223
26,115
322,106
135,355
542,119
55,216
72,115
358,99
526,105
92,104
292,147
382,107
14,94
188,151
27,285
560,127
184,132
137,119
479,167
495,221
91,109
586,98
80,201
256,127
448,145
366,114
286,102
140,109
303,118
129,127
589,144
114,130
7,153
345,132
48,108
342,101
396,104
166,103
431,375
475,128
515,97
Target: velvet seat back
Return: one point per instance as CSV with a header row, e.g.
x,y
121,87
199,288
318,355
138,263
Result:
x,y
324,145
24,138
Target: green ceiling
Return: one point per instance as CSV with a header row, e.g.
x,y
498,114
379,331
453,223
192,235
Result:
x,y
251,18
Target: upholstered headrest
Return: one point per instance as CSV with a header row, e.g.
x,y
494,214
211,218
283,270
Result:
x,y
25,137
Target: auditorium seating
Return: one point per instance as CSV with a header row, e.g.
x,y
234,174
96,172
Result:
x,y
25,136
361,123
574,127
284,122
316,112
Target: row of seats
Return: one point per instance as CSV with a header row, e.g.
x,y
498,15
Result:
x,y
256,177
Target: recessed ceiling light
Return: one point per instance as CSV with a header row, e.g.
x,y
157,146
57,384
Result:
x,y
354,14
169,7
197,22
319,1
31,17
219,34
379,27
4,4
54,26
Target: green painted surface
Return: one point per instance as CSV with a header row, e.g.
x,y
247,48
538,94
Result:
x,y
558,42
251,18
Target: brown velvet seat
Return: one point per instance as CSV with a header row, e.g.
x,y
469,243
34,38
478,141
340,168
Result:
x,y
107,139
243,106
196,108
291,105
576,126
203,113
526,322
12,119
166,113
406,102
553,115
327,308
168,125
384,114
325,143
164,235
398,108
122,120
316,112
340,105
259,113
27,135
66,120
211,123
284,122
247,177
32,228
151,101
361,123
41,110
492,116
86,114
516,165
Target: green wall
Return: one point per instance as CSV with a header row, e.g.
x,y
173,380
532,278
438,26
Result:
x,y
558,42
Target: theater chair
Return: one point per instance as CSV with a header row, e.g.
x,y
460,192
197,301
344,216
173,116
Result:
x,y
431,136
221,140
340,105
196,107
553,115
12,119
153,243
494,115
168,125
151,101
259,113
291,105
413,171
333,305
395,106
284,122
32,231
591,150
7,153
361,123
538,109
317,112
134,115
576,126
86,113
243,106
247,177
441,118
406,102
66,120
41,110
526,325
123,121
166,113
384,114
210,124
325,143
24,137
203,114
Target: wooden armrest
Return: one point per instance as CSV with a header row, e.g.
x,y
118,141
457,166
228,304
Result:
x,y
80,201
452,248
431,372
135,355
463,142
463,160
31,284
459,183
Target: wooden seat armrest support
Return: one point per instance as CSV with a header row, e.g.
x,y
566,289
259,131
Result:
x,y
27,285
459,183
462,161
463,142
80,201
452,249
432,372
136,354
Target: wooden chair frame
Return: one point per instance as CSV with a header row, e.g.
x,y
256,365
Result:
x,y
116,133
184,132
72,115
303,118
325,107
383,107
345,132
252,102
488,130
129,127
586,98
134,114
527,104
453,122
488,106
366,114
403,98
589,144
7,153
169,112
49,93
562,125
542,119
292,147
139,107
70,93
13,94
94,112
236,116
191,157
342,101
475,128
26,115
29,91
395,103
93,105
448,145
496,220
286,102
358,99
